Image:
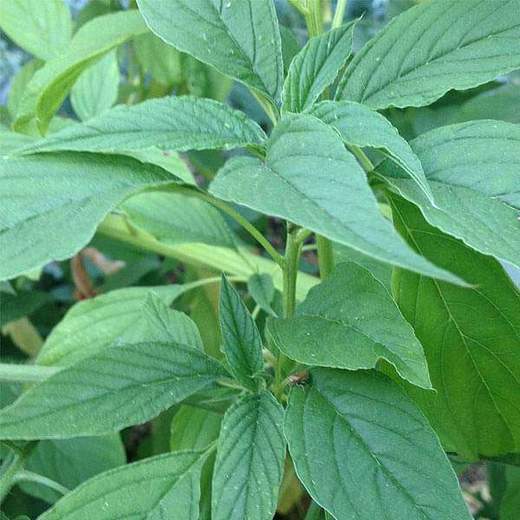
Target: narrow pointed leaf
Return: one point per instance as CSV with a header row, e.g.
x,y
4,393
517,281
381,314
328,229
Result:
x,y
42,28
360,126
240,38
241,341
310,179
171,123
117,387
315,67
364,451
166,486
68,193
433,48
50,85
355,331
250,457
474,172
470,338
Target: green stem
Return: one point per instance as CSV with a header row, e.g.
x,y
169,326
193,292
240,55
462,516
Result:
x,y
13,466
11,373
339,14
325,256
362,158
29,476
313,18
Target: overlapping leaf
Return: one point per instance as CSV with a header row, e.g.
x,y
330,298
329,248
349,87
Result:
x,y
364,451
433,48
350,321
310,179
470,338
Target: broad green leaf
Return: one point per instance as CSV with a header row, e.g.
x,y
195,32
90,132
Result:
x,y
18,84
502,103
121,315
43,28
172,123
194,428
241,341
360,126
310,179
179,218
240,38
250,457
72,461
11,141
164,63
261,289
474,172
202,80
432,48
51,84
120,386
96,89
66,193
166,486
350,321
470,338
17,305
315,67
364,451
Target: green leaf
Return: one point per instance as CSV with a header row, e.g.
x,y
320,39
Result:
x,y
250,457
11,141
158,59
51,84
360,126
310,179
194,428
121,315
502,104
261,289
241,341
72,461
179,218
510,504
172,123
351,332
120,386
68,193
364,451
18,85
97,88
17,305
41,28
166,486
433,48
315,67
474,172
239,38
470,338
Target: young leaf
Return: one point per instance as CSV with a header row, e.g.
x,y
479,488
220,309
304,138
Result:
x,y
315,67
332,330
194,428
240,38
474,172
470,338
96,323
171,123
72,461
51,84
364,451
250,458
310,179
42,28
433,48
261,289
166,486
68,193
360,126
120,386
96,89
241,341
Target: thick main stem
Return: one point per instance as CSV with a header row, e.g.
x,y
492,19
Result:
x,y
325,256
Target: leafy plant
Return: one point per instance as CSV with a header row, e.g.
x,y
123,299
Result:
x,y
350,389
